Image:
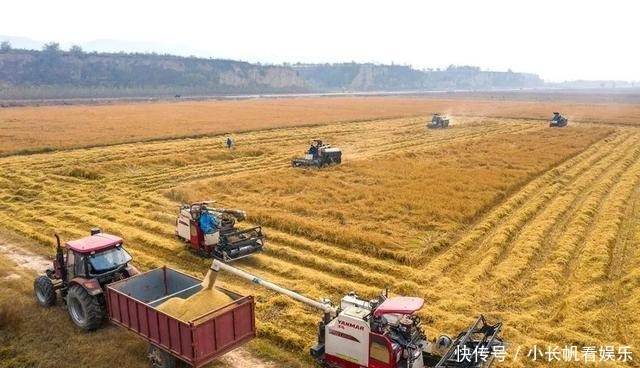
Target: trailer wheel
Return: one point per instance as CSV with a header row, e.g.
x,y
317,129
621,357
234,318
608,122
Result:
x,y
159,358
44,291
84,309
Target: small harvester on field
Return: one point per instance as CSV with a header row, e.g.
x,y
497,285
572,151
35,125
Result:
x,y
386,332
96,281
438,122
211,232
558,121
318,155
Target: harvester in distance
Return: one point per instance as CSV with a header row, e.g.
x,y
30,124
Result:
x,y
318,155
438,122
558,121
385,332
211,232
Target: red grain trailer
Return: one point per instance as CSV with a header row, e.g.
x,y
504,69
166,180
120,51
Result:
x,y
132,303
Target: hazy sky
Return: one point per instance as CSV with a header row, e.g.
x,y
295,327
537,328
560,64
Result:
x,y
558,39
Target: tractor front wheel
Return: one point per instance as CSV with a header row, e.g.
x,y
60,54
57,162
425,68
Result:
x,y
44,291
84,309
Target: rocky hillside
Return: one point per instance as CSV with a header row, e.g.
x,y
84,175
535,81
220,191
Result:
x,y
53,73
371,77
143,74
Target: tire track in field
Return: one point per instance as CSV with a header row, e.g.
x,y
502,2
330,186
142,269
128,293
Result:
x,y
563,236
486,225
621,261
615,174
529,241
538,285
499,221
586,273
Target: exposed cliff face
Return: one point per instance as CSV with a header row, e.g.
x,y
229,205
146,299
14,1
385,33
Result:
x,y
274,77
367,77
34,68
58,74
372,77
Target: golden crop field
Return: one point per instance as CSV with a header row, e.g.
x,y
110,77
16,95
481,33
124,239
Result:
x,y
537,227
46,128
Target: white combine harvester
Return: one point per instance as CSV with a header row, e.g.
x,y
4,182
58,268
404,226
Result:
x,y
385,332
211,232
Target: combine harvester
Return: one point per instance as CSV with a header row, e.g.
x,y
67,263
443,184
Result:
x,y
558,121
319,155
211,232
385,332
94,278
438,122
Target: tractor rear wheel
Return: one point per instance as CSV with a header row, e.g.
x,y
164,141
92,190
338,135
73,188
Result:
x,y
84,309
44,291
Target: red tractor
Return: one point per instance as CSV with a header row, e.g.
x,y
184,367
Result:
x,y
80,272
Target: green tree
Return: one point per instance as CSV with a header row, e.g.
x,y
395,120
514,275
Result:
x,y
76,50
5,46
51,47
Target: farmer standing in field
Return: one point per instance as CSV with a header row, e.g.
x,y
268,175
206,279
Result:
x,y
229,142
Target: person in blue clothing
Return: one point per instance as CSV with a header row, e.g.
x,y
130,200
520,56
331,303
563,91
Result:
x,y
229,142
208,223
313,150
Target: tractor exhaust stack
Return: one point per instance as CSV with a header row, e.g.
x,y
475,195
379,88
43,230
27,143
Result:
x,y
59,266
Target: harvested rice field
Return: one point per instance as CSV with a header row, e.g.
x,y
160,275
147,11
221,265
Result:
x,y
498,215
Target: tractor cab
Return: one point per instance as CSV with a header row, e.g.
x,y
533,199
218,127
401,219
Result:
x,y
95,260
96,256
81,270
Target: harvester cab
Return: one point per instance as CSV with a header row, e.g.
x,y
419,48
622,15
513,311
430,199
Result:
x,y
211,232
318,155
81,270
558,121
386,332
438,121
